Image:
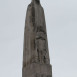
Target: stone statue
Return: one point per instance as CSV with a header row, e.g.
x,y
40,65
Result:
x,y
36,62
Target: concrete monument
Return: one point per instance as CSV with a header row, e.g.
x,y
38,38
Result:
x,y
36,62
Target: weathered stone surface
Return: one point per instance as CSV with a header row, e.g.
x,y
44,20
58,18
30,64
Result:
x,y
36,70
36,55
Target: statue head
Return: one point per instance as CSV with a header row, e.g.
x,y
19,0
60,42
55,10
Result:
x,y
36,1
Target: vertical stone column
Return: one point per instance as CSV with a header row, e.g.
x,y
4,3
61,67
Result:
x,y
36,60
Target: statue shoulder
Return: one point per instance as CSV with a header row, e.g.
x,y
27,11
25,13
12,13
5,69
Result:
x,y
29,6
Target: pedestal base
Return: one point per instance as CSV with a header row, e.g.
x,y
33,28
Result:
x,y
37,70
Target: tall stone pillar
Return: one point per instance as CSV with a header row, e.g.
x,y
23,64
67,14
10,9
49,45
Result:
x,y
36,62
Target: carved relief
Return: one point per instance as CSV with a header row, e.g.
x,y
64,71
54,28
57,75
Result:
x,y
41,44
41,29
41,50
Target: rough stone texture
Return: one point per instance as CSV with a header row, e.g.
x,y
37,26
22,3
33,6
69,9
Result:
x,y
36,55
37,69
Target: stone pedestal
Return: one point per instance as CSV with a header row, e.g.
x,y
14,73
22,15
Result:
x,y
37,70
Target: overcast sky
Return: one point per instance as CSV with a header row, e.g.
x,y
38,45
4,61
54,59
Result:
x,y
61,22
